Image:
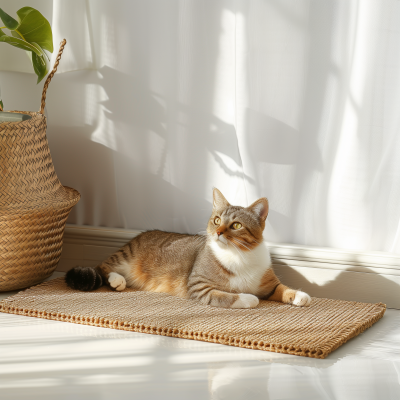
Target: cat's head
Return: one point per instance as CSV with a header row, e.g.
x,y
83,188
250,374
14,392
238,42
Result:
x,y
238,226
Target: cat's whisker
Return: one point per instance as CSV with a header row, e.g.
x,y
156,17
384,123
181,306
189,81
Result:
x,y
241,243
238,250
251,239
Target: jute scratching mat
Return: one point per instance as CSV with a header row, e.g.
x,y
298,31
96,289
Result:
x,y
313,331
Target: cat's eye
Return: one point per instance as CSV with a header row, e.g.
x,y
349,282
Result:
x,y
236,225
217,220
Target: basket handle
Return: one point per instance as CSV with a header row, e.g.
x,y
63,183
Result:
x,y
46,84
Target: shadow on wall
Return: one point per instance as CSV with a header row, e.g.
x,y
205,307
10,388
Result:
x,y
270,141
273,142
164,151
125,162
285,160
165,147
349,284
146,112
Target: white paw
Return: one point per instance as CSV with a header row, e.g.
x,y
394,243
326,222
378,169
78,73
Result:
x,y
246,301
302,299
116,281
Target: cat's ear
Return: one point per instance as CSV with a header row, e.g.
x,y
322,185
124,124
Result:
x,y
261,208
219,201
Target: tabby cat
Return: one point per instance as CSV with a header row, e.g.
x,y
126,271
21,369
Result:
x,y
229,266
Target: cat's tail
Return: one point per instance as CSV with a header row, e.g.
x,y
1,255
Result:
x,y
84,278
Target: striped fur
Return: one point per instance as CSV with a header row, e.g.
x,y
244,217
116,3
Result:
x,y
229,266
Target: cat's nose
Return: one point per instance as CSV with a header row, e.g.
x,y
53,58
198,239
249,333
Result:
x,y
219,233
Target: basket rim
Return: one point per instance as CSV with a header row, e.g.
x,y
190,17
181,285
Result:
x,y
36,116
40,204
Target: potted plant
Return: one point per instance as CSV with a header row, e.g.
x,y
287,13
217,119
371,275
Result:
x,y
30,32
34,205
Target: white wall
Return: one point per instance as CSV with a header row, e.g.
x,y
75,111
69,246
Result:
x,y
294,100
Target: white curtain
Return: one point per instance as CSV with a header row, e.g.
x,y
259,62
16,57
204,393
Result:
x,y
294,100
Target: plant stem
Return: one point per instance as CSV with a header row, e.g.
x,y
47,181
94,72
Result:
x,y
19,33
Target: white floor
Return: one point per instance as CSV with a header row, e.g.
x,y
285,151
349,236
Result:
x,y
56,360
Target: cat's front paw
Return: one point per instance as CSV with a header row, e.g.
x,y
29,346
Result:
x,y
116,281
301,299
246,301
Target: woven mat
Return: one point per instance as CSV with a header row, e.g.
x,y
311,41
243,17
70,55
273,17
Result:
x,y
313,331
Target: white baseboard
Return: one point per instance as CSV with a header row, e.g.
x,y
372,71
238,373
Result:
x,y
322,272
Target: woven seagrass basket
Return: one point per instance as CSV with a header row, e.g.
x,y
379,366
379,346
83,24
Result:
x,y
34,206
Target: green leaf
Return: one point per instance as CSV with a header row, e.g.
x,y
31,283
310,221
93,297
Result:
x,y
9,22
33,34
38,48
22,12
17,35
34,27
46,53
21,44
40,64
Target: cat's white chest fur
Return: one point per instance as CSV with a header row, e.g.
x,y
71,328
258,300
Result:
x,y
247,267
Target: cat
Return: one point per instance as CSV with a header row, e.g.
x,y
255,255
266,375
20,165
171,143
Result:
x,y
229,266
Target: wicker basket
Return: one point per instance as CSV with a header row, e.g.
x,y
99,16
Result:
x,y
34,206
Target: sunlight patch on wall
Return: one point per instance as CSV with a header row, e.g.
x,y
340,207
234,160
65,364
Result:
x,y
108,39
185,50
224,88
348,211
96,116
156,148
318,276
78,53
